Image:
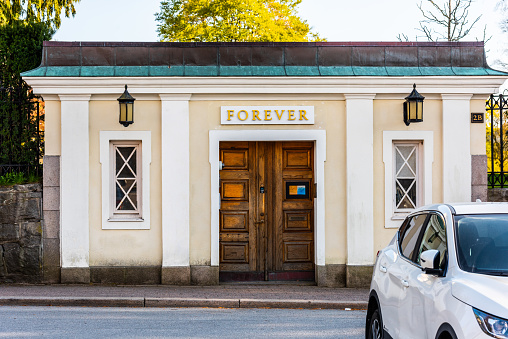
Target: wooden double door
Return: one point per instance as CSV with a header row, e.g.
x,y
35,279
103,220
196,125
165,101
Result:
x,y
267,211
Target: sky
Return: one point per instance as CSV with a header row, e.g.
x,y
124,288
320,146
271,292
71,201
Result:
x,y
335,20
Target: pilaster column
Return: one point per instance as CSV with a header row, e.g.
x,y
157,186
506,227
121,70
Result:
x,y
456,148
74,188
175,189
360,179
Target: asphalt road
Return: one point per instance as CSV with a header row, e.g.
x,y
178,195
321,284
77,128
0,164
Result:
x,y
90,322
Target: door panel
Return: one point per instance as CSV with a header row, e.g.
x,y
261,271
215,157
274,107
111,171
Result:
x,y
267,210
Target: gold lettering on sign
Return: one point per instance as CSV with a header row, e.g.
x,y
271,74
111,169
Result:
x,y
267,115
230,114
291,115
302,115
277,112
255,115
246,115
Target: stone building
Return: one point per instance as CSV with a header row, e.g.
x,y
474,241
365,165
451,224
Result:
x,y
251,161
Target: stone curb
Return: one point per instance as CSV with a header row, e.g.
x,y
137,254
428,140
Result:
x,y
73,301
180,302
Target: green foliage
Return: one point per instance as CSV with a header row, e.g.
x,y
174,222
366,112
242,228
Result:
x,y
47,11
10,179
232,20
20,50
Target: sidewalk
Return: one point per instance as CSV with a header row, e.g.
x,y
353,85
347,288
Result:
x,y
221,296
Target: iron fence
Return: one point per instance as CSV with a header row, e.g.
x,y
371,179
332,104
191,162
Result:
x,y
497,141
21,131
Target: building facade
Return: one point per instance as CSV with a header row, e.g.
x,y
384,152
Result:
x,y
250,161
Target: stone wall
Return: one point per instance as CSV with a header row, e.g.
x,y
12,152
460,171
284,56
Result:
x,y
20,233
498,194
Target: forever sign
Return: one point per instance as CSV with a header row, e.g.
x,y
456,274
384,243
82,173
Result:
x,y
267,115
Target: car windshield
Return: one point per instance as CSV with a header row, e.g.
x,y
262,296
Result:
x,y
482,243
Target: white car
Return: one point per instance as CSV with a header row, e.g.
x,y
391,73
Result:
x,y
444,275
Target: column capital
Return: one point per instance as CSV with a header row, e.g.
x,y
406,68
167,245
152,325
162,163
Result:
x,y
74,97
175,97
359,96
458,96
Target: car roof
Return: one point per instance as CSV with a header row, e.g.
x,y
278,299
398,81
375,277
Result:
x,y
472,207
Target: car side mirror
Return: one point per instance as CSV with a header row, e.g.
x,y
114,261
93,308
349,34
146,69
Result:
x,y
429,261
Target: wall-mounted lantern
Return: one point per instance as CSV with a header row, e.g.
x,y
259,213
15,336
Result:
x,y
126,102
413,107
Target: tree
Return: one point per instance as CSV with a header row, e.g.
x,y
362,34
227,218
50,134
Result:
x,y
36,11
20,50
232,20
449,21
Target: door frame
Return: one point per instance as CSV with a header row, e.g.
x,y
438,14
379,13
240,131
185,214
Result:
x,y
319,136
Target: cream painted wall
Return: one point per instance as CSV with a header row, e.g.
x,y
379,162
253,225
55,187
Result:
x,y
478,131
52,127
388,116
125,247
205,116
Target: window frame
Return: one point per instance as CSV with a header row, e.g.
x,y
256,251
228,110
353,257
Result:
x,y
392,219
418,145
126,214
110,219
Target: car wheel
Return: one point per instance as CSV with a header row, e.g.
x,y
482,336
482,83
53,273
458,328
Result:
x,y
376,326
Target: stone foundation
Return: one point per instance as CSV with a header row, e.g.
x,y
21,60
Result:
x,y
331,275
479,177
358,276
51,223
498,194
204,275
176,275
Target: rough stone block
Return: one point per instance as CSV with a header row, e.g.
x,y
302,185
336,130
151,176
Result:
x,y
51,225
358,276
331,275
9,232
75,275
12,258
51,199
8,207
30,261
51,253
51,168
30,209
176,275
498,194
31,234
205,275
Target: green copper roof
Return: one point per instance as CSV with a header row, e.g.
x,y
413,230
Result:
x,y
252,71
263,59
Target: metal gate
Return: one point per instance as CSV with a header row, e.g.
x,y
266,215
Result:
x,y
497,141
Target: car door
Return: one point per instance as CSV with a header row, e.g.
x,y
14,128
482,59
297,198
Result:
x,y
423,290
409,314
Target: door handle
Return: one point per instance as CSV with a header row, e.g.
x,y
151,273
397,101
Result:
x,y
405,283
382,268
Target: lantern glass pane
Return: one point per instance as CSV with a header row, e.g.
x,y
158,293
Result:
x,y
412,110
129,111
123,112
420,110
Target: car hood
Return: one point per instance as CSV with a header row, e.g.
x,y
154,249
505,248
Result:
x,y
486,293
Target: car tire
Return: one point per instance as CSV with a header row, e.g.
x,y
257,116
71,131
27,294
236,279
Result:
x,y
375,326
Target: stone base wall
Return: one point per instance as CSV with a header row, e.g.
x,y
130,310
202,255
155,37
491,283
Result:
x,y
498,194
21,234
